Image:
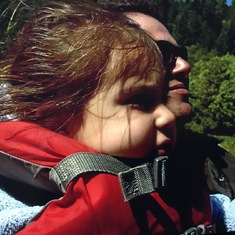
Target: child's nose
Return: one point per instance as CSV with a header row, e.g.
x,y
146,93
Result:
x,y
164,117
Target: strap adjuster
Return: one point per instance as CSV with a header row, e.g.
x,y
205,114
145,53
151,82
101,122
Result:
x,y
144,179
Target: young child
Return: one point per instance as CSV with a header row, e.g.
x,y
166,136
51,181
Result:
x,y
85,92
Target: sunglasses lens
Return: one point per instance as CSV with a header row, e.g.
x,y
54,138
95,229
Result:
x,y
170,52
182,52
167,50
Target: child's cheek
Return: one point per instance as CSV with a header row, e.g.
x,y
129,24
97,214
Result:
x,y
127,141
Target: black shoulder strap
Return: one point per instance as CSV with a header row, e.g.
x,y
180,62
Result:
x,y
136,181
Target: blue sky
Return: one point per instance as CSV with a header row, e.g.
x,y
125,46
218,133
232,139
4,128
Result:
x,y
229,2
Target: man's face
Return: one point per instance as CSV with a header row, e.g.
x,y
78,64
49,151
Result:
x,y
178,74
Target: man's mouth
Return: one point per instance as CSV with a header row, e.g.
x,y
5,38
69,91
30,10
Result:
x,y
179,88
179,84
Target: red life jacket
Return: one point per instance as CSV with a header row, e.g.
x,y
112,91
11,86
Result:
x,y
93,203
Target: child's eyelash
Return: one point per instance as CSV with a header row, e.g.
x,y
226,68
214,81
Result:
x,y
142,101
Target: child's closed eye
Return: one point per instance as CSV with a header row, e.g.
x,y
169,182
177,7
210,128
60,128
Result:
x,y
143,102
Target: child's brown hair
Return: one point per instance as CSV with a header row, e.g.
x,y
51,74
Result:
x,y
62,57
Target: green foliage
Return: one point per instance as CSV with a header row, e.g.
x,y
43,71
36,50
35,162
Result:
x,y
197,52
212,84
208,23
228,143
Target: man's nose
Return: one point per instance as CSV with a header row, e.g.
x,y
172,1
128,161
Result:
x,y
181,66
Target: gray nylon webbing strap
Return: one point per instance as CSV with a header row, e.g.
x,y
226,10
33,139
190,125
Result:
x,y
82,162
134,182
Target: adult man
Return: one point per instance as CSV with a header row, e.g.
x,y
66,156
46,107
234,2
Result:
x,y
200,148
195,155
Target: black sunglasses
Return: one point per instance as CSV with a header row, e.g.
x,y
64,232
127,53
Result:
x,y
170,53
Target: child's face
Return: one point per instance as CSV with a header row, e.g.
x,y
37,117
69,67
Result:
x,y
129,120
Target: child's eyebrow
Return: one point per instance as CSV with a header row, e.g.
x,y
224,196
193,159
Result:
x,y
138,89
141,86
151,80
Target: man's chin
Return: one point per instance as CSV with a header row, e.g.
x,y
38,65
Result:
x,y
181,110
181,121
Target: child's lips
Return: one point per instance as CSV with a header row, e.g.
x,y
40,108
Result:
x,y
162,152
165,148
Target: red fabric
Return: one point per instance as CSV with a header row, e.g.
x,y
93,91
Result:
x,y
93,204
36,144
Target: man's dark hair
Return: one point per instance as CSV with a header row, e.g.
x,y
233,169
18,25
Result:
x,y
148,7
